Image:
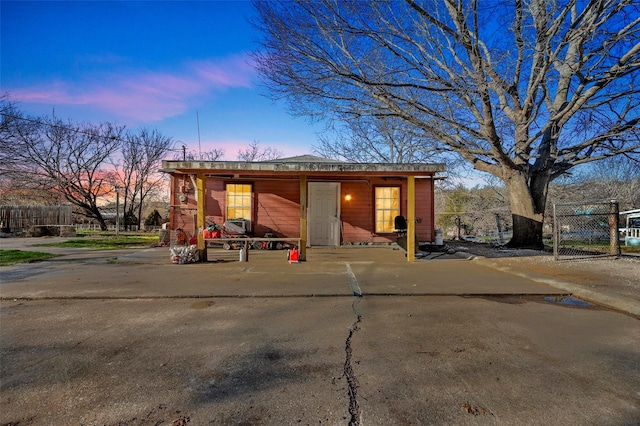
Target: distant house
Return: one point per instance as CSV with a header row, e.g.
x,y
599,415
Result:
x,y
323,202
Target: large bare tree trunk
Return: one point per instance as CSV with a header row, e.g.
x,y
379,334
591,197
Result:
x,y
528,197
102,223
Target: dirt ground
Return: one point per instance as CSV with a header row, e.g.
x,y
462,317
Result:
x,y
352,336
619,276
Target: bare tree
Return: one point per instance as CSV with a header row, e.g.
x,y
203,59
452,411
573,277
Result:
x,y
616,178
64,157
388,140
455,215
472,210
255,153
213,154
522,90
373,139
13,123
139,173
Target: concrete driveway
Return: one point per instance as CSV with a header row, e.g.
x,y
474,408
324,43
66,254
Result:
x,y
352,336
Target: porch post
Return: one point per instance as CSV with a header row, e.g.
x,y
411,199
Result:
x,y
411,218
201,199
303,218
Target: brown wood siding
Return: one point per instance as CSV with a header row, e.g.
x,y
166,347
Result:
x,y
216,199
357,213
185,218
183,214
277,208
424,214
424,207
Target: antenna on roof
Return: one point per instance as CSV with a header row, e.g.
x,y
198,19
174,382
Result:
x,y
199,146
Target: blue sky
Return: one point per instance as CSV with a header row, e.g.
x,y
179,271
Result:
x,y
153,64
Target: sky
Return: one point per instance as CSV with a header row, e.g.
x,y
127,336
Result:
x,y
160,65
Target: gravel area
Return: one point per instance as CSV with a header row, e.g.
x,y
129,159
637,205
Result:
x,y
619,276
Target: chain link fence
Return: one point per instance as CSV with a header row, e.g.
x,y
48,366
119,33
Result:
x,y
585,230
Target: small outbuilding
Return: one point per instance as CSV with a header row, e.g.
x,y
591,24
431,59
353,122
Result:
x,y
319,201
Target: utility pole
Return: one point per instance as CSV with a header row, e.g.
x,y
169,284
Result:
x,y
117,188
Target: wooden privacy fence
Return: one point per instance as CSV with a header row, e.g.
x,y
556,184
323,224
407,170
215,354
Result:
x,y
19,218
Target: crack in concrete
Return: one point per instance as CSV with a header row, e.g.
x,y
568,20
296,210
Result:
x,y
352,380
353,281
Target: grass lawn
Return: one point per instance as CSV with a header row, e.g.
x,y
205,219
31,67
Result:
x,y
106,241
10,257
91,240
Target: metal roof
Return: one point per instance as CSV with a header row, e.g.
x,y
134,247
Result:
x,y
299,164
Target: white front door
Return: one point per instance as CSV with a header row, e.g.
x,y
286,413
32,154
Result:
x,y
323,214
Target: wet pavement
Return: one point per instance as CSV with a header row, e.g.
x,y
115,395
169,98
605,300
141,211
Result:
x,y
352,336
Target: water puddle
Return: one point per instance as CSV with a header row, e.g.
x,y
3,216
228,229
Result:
x,y
563,300
569,301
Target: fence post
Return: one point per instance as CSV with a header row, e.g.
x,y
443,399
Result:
x,y
614,225
556,234
499,225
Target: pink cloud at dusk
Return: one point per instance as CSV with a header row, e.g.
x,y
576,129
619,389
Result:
x,y
42,94
144,96
232,72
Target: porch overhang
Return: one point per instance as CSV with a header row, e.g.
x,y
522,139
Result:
x,y
296,168
305,169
